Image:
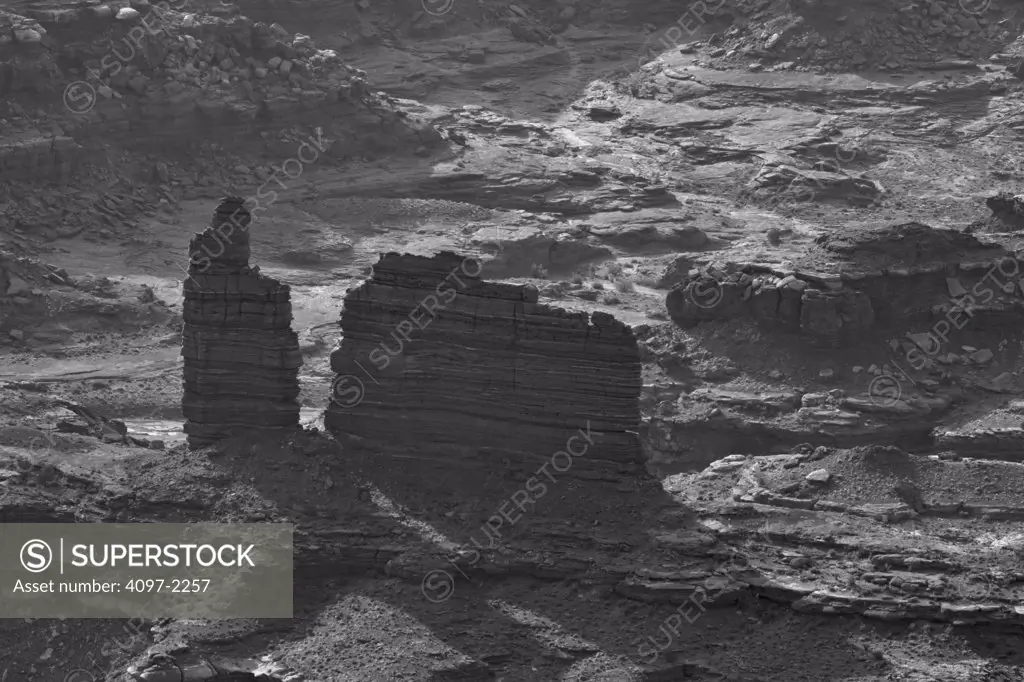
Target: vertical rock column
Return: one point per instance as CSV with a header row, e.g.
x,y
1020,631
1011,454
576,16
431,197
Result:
x,y
241,355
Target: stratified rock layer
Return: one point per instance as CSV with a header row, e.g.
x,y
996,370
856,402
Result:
x,y
35,157
438,364
241,355
877,280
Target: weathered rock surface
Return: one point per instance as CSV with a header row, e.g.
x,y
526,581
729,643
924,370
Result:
x,y
656,230
886,36
427,342
816,185
30,157
1008,208
871,564
241,355
1002,443
877,282
188,71
566,187
792,302
514,250
904,245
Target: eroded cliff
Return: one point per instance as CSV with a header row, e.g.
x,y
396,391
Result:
x,y
440,364
845,287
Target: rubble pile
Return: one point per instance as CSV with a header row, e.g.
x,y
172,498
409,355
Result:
x,y
20,31
19,276
120,49
444,365
153,68
241,355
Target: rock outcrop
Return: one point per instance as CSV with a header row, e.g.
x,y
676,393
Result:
x,y
38,157
1002,443
822,310
868,286
27,298
1008,207
441,365
802,185
241,355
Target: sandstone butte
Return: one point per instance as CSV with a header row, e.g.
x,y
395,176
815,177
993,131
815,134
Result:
x,y
240,354
438,364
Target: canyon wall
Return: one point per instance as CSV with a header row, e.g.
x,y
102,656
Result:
x,y
839,308
438,364
241,355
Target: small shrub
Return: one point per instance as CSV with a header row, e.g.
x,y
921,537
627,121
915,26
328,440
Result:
x,y
538,271
625,286
577,278
611,299
597,285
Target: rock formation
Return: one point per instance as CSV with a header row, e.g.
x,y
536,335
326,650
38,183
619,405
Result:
x,y
241,355
38,157
886,278
439,364
163,68
790,301
788,184
1008,207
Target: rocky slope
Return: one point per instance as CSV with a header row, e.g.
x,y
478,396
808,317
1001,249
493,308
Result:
x,y
164,83
871,534
825,35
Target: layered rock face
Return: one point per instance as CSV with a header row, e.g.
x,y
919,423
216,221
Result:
x,y
438,364
873,288
241,355
35,157
822,310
